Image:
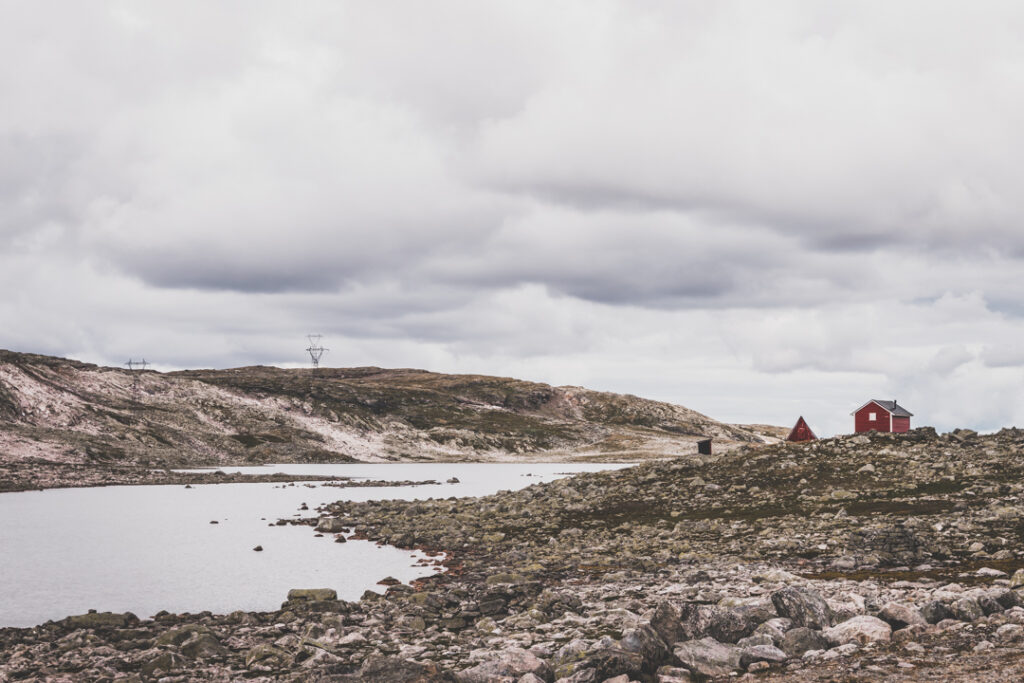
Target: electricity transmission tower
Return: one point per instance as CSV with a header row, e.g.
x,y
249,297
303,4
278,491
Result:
x,y
316,351
135,366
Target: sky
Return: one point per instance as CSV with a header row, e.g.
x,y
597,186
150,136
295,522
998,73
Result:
x,y
755,210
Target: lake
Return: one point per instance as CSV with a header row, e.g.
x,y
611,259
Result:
x,y
149,548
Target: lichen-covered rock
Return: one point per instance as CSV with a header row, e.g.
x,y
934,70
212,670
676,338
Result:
x,y
708,657
312,594
804,606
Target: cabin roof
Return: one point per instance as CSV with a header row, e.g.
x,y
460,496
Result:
x,y
891,406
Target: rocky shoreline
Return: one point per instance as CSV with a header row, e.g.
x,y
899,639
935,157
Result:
x,y
851,559
38,476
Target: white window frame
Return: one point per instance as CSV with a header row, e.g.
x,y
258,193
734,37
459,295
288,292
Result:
x,y
872,417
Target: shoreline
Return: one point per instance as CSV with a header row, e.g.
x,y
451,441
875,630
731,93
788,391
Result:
x,y
857,559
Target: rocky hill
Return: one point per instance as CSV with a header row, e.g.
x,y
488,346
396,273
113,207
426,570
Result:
x,y
64,411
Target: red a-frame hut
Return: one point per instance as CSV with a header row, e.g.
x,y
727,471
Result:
x,y
801,432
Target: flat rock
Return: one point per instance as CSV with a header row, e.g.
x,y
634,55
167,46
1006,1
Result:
x,y
708,657
513,663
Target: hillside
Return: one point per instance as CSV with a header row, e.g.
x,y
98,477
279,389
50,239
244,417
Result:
x,y
65,411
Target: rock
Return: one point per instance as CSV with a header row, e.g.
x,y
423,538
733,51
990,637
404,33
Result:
x,y
966,609
163,663
452,480
799,640
862,630
331,525
804,606
529,678
513,662
989,572
756,639
708,657
673,674
176,636
258,549
203,646
352,639
1017,580
935,611
505,577
338,538
377,669
645,642
900,616
1006,598
1010,633
103,620
267,658
988,604
608,662
313,594
761,653
667,622
728,625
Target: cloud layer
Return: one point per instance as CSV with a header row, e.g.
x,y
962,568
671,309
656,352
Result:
x,y
756,212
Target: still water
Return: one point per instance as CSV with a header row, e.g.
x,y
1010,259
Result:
x,y
149,548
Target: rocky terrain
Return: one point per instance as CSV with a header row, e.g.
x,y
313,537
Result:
x,y
863,558
58,411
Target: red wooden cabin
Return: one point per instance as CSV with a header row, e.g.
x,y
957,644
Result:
x,y
881,416
801,431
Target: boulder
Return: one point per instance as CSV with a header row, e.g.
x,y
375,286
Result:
x,y
313,594
900,616
935,611
989,605
1006,598
331,525
729,625
1017,580
203,646
513,662
103,620
707,657
761,653
267,658
667,622
801,639
804,606
861,630
966,609
163,663
645,642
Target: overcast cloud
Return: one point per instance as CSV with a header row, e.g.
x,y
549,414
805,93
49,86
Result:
x,y
755,211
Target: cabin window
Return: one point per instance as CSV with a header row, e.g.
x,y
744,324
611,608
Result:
x,y
872,416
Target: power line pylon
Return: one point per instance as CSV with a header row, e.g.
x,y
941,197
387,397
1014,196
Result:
x,y
315,350
135,366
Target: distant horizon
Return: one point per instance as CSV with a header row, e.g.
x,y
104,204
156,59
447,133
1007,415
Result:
x,y
158,368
